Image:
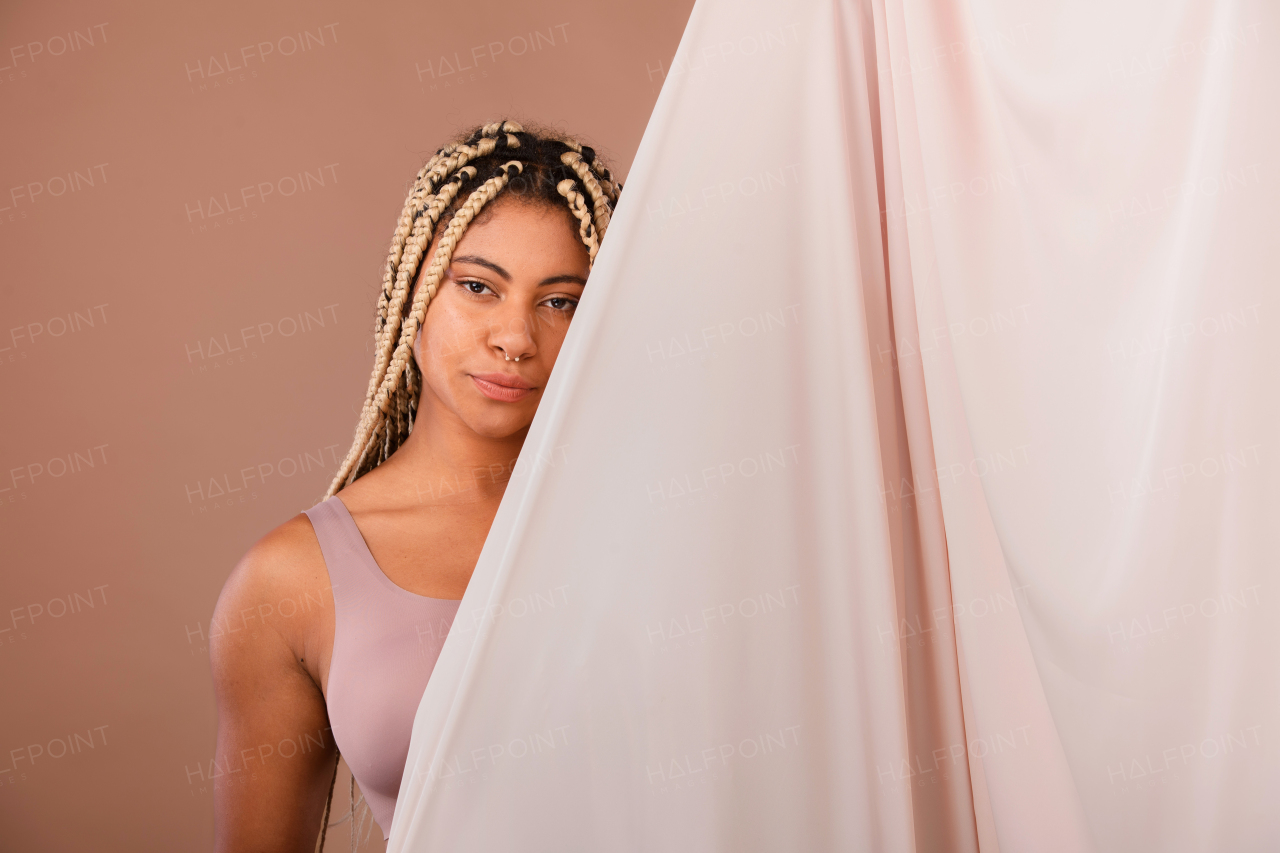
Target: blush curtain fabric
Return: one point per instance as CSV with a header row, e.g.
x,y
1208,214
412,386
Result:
x,y
906,481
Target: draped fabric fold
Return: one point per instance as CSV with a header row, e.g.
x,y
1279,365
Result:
x,y
903,481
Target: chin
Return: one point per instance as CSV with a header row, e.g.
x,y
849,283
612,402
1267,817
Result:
x,y
490,426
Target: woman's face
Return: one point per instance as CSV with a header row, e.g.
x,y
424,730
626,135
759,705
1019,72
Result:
x,y
511,290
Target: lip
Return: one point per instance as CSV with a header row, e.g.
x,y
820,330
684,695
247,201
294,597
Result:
x,y
503,387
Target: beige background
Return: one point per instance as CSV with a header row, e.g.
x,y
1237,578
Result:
x,y
159,349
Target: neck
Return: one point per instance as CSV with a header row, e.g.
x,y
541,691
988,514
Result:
x,y
445,461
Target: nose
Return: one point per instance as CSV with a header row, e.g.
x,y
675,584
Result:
x,y
511,332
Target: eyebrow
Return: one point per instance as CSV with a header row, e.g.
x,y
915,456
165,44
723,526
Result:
x,y
490,265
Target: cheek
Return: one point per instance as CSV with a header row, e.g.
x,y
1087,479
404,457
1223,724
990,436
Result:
x,y
551,340
448,334
552,332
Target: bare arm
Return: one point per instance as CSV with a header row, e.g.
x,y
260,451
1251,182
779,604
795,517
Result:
x,y
274,752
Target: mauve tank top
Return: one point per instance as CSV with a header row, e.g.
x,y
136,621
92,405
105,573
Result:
x,y
385,644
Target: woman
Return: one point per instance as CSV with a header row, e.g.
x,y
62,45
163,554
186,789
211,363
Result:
x,y
508,222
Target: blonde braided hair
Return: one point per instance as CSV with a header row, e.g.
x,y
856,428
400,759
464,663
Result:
x,y
479,168
454,186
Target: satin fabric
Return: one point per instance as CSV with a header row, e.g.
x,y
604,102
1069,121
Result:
x,y
904,482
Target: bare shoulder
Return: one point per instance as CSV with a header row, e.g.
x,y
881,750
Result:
x,y
285,560
277,596
271,626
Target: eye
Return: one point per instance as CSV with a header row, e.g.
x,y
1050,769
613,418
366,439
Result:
x,y
476,288
565,304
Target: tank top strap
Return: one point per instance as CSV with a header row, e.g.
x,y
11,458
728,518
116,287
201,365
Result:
x,y
346,556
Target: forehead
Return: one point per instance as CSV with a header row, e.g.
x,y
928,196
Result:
x,y
530,232
507,208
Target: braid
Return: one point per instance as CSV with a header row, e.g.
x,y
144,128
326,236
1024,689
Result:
x,y
452,188
324,818
600,203
586,228
603,176
422,226
395,286
433,274
355,831
395,283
